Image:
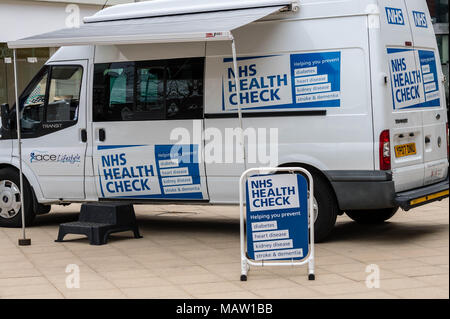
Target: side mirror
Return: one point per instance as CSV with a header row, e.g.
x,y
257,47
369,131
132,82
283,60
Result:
x,y
5,114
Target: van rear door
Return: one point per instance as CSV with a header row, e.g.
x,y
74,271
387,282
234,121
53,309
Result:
x,y
433,107
404,98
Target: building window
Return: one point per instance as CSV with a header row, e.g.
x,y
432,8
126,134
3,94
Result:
x,y
29,62
438,10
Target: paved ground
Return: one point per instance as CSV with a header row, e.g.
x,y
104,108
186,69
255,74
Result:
x,y
193,252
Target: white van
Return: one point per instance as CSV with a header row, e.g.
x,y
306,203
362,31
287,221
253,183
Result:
x,y
353,89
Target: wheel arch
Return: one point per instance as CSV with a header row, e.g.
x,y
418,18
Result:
x,y
29,177
314,171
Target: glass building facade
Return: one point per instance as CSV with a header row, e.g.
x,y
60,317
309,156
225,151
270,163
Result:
x,y
29,61
17,19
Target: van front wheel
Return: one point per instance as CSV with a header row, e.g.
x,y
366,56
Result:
x,y
374,216
10,205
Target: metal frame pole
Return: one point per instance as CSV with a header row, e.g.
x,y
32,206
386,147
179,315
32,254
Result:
x,y
238,100
22,241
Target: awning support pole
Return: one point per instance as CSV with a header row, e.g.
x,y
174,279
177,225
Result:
x,y
22,241
238,98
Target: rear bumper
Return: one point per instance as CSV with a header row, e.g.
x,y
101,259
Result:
x,y
424,195
362,190
366,190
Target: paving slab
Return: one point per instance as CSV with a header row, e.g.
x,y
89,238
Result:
x,y
193,252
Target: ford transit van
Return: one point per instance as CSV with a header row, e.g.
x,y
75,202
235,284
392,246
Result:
x,y
351,90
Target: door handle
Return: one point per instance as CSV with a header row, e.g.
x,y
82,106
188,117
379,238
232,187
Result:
x,y
83,135
101,135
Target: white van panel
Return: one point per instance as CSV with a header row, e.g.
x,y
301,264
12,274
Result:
x,y
314,9
421,24
340,140
394,24
6,149
344,145
58,159
433,117
396,37
135,161
414,93
84,52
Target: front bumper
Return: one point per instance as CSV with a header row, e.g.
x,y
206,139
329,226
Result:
x,y
424,195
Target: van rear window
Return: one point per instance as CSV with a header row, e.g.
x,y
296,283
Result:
x,y
148,90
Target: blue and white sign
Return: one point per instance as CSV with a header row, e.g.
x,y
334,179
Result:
x,y
147,171
428,67
178,171
277,217
414,78
301,80
420,19
395,16
317,79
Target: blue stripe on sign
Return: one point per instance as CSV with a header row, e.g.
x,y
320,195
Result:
x,y
432,103
187,196
111,147
100,182
391,50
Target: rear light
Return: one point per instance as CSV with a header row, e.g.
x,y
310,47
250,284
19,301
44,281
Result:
x,y
385,151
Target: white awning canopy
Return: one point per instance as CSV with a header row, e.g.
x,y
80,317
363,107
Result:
x,y
205,26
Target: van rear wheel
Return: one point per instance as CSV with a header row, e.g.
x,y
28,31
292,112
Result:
x,y
10,205
373,216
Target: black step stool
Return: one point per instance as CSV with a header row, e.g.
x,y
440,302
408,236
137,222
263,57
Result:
x,y
98,220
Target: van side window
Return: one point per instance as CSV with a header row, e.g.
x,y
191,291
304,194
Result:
x,y
185,89
113,98
52,96
148,90
34,102
64,93
150,93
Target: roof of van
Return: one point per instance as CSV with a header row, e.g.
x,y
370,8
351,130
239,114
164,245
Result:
x,y
158,8
164,21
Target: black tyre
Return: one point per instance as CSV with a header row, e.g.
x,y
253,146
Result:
x,y
374,216
326,210
10,206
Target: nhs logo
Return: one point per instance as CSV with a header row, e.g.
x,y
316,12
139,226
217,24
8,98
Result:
x,y
420,19
395,16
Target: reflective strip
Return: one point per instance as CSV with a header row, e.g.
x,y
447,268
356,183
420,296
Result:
x,y
427,198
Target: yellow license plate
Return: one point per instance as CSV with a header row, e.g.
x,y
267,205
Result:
x,y
405,150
